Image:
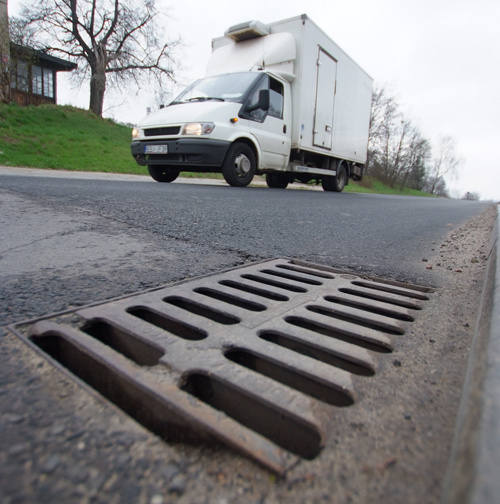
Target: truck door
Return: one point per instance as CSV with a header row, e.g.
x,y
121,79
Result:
x,y
271,127
325,100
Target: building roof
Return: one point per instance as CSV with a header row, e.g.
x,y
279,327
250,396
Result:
x,y
41,57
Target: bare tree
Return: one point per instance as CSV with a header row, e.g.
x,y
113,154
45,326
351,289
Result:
x,y
471,196
444,163
416,158
397,152
4,52
384,113
113,41
437,187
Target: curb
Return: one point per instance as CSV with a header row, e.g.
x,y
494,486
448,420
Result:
x,y
472,474
42,172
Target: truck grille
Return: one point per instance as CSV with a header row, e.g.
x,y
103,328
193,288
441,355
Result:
x,y
166,130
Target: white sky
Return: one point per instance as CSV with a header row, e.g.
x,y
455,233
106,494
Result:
x,y
440,58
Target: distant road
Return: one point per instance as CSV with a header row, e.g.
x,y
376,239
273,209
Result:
x,y
372,233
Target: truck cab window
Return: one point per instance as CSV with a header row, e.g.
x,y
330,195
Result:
x,y
275,98
257,114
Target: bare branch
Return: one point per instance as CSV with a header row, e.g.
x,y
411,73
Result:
x,y
76,33
112,28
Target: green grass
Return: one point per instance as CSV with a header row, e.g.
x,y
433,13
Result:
x,y
54,137
63,137
375,186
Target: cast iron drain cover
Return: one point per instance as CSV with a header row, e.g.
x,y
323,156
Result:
x,y
256,357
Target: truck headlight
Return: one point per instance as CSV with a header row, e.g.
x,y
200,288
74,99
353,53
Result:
x,y
198,128
135,133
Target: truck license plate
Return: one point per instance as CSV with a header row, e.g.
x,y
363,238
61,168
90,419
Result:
x,y
156,149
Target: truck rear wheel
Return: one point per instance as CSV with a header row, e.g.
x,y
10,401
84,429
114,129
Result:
x,y
277,180
337,182
239,166
163,173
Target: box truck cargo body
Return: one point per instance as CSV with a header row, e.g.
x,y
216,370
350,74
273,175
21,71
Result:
x,y
280,99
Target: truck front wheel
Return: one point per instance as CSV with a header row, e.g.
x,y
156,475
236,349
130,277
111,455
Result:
x,y
239,165
337,182
277,180
163,173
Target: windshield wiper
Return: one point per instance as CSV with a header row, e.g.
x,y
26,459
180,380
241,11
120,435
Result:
x,y
205,98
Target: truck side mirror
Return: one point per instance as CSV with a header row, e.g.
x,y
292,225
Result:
x,y
263,103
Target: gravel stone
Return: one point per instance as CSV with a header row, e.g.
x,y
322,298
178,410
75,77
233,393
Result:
x,y
157,499
57,429
51,464
170,470
178,485
18,449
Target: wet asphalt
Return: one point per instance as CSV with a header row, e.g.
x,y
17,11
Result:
x,y
376,234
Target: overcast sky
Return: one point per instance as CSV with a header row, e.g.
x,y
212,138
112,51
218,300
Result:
x,y
440,58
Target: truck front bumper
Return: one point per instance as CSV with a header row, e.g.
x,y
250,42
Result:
x,y
183,152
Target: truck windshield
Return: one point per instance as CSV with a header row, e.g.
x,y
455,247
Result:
x,y
228,87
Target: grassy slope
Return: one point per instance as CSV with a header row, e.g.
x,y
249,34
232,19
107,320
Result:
x,y
57,137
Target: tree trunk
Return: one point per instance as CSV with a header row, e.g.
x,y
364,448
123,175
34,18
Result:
x,y
97,90
434,184
4,53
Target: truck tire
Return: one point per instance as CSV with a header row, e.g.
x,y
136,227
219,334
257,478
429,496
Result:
x,y
337,182
277,180
163,173
239,166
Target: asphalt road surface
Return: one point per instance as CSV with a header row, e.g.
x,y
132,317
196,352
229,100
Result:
x,y
68,242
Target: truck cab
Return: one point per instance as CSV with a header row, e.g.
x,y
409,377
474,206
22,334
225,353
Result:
x,y
234,122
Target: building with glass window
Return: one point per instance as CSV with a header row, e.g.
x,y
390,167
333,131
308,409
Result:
x,y
33,75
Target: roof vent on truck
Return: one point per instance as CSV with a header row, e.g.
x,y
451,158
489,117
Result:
x,y
246,31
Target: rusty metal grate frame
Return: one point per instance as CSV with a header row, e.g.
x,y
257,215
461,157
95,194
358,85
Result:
x,y
298,366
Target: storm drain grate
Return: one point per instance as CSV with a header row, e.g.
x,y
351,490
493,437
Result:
x,y
246,356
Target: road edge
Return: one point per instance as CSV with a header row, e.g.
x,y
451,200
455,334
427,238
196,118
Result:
x,y
472,473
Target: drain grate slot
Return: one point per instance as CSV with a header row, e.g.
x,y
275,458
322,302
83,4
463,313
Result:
x,y
274,283
229,298
364,322
298,269
254,290
97,374
272,423
295,278
316,352
380,297
290,377
370,308
333,332
137,401
392,290
129,345
202,310
170,324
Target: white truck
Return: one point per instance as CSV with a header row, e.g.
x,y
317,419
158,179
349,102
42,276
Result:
x,y
280,99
